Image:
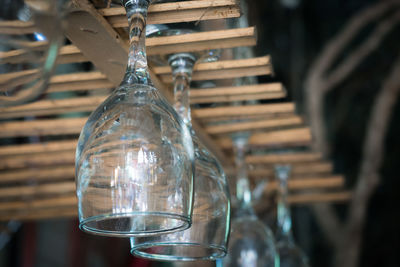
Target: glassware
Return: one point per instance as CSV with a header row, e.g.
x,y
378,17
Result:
x,y
290,254
30,37
207,238
135,158
251,242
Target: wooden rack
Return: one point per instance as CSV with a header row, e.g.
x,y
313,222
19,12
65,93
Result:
x,y
37,179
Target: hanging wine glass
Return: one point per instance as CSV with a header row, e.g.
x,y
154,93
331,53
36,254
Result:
x,y
30,37
290,254
251,242
207,237
134,160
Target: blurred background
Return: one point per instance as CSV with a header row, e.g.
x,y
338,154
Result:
x,y
296,33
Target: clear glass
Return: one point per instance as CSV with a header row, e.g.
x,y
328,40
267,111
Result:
x,y
135,158
290,254
30,37
207,238
252,243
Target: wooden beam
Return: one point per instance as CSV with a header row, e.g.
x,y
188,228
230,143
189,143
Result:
x,y
185,11
222,69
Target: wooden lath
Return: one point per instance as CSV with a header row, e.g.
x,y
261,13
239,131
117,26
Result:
x,y
70,210
37,179
227,69
186,11
191,42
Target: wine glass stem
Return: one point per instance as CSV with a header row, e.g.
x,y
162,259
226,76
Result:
x,y
137,71
284,231
243,192
182,68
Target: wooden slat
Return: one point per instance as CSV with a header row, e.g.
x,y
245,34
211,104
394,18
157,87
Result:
x,y
227,69
16,27
52,107
86,104
44,147
184,11
309,183
238,111
298,170
301,136
284,158
311,198
39,190
41,214
43,159
38,213
55,202
42,127
227,128
237,93
201,41
38,174
67,54
78,81
67,188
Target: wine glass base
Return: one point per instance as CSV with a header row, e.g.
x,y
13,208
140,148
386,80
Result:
x,y
135,224
178,251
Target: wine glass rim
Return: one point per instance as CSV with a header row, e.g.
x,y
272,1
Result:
x,y
84,224
218,251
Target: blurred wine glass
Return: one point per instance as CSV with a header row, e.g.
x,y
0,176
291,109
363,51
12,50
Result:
x,y
252,243
290,254
30,37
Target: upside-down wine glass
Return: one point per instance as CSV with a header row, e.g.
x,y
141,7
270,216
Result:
x,y
290,254
134,160
207,237
251,242
30,37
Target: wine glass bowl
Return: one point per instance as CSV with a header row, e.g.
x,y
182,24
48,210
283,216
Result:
x,y
290,254
134,159
30,36
132,166
251,244
207,237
